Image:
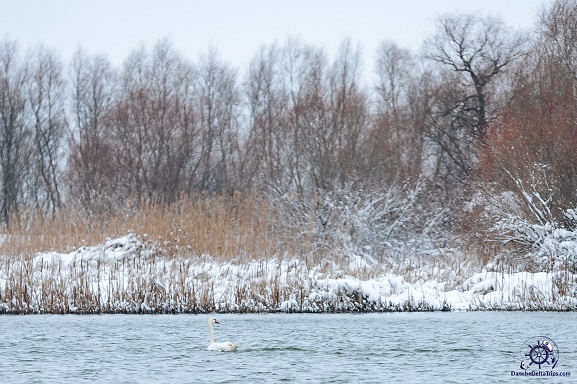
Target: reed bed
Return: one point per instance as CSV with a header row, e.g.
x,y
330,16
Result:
x,y
216,254
239,227
127,275
235,229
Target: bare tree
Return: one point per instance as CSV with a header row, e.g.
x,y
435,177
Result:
x,y
314,135
350,111
558,30
47,101
93,86
477,49
395,141
307,117
128,126
395,69
154,125
14,135
533,142
295,66
169,143
217,103
181,147
267,103
472,52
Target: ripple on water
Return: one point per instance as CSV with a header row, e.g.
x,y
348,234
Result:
x,y
454,347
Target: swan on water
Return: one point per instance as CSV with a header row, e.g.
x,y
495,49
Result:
x,y
223,347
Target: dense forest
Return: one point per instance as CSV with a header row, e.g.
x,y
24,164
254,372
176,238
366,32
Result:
x,y
468,144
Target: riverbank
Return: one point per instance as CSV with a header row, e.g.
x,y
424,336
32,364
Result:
x,y
128,275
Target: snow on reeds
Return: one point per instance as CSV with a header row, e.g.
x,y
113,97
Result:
x,y
223,227
133,275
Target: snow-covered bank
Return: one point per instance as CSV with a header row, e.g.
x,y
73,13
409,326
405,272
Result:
x,y
127,275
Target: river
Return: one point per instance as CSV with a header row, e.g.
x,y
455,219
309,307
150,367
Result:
x,y
330,348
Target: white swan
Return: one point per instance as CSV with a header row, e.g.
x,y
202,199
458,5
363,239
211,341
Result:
x,y
222,347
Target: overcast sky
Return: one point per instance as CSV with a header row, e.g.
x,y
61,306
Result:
x,y
237,28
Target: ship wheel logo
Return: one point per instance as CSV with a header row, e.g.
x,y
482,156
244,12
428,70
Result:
x,y
539,352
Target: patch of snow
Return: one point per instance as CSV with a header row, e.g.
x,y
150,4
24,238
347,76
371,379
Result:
x,y
129,275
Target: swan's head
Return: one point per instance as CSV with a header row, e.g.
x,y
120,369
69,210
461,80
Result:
x,y
212,320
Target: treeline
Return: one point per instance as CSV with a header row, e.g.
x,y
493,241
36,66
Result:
x,y
480,111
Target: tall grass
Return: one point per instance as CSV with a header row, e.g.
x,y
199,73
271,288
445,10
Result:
x,y
236,229
239,227
203,254
151,285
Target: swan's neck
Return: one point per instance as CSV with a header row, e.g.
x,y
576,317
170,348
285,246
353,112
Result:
x,y
210,331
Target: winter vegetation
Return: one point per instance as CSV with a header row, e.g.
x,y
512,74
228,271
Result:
x,y
176,186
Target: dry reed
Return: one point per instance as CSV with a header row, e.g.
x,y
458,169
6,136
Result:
x,y
225,228
202,255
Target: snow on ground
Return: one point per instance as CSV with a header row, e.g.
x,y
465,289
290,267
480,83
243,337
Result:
x,y
126,275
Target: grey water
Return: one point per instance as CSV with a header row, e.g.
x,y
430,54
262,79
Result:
x,y
325,348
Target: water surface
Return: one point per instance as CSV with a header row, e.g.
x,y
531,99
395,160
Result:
x,y
331,348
